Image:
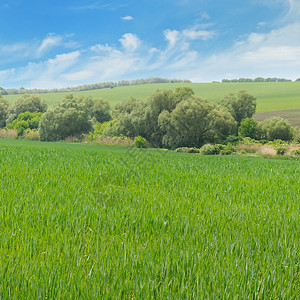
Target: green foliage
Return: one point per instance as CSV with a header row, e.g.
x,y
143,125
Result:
x,y
69,118
194,122
136,117
249,141
26,120
111,223
241,106
4,106
100,129
216,149
140,142
73,117
26,103
270,96
101,110
281,150
296,152
277,128
187,150
209,149
248,128
228,149
296,134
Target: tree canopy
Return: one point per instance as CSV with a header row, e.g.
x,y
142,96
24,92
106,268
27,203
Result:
x,y
241,106
30,103
173,118
4,106
72,117
277,128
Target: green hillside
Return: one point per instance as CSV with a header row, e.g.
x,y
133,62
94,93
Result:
x,y
271,96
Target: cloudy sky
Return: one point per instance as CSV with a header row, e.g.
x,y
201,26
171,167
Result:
x,y
53,44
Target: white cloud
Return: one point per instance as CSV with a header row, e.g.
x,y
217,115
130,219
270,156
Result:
x,y
49,74
130,42
127,18
274,54
52,40
101,48
198,34
184,37
172,36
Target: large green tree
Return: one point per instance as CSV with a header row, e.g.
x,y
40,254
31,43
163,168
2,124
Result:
x,y
140,118
30,103
4,108
195,122
277,128
249,128
241,106
69,118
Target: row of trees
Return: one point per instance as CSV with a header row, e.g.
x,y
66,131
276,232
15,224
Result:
x,y
259,79
95,86
169,119
72,117
179,118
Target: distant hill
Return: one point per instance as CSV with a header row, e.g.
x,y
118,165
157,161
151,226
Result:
x,y
271,96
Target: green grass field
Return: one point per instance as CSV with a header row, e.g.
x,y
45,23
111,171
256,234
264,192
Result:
x,y
82,221
270,96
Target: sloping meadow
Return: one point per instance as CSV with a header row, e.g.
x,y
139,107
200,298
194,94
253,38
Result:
x,y
107,222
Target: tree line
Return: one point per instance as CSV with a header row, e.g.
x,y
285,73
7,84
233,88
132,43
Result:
x,y
168,118
95,86
259,79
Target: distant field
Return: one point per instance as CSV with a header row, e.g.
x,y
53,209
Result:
x,y
293,115
271,96
91,222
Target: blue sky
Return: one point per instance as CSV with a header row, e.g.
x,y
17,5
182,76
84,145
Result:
x,y
53,44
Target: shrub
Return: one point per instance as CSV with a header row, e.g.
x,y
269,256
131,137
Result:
x,y
193,150
187,150
182,149
296,152
281,150
26,103
248,128
277,128
31,134
140,142
249,141
26,120
228,149
233,139
208,149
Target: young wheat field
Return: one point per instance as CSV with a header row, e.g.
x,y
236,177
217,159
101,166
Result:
x,y
82,221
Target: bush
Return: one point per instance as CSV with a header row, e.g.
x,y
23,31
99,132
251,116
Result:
x,y
233,139
208,149
26,120
99,129
26,103
281,150
69,118
248,128
277,128
140,142
296,152
228,149
187,150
